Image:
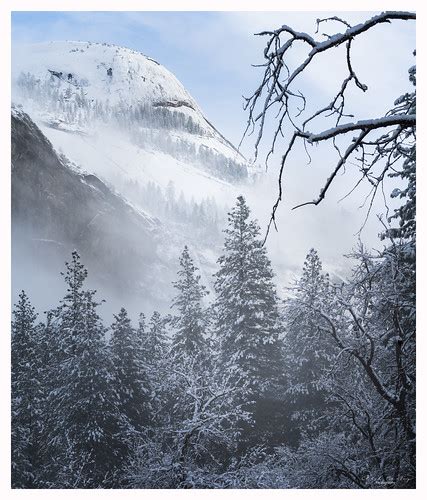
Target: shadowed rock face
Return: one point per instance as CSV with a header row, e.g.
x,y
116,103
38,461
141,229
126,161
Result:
x,y
56,209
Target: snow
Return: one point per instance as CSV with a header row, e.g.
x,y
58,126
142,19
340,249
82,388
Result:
x,y
115,160
372,124
99,149
136,79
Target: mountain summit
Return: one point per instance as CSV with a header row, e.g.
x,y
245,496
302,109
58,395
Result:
x,y
70,84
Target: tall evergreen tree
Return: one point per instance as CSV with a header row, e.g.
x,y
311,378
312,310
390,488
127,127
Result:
x,y
84,424
129,371
141,334
155,344
308,349
25,394
247,312
45,353
247,317
155,350
191,321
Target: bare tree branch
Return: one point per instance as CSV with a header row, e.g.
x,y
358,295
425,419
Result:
x,y
277,90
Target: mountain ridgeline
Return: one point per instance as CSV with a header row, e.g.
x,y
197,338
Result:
x,y
93,83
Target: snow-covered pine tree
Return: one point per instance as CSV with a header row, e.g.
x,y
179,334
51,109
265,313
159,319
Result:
x,y
247,317
130,377
25,394
83,422
247,312
155,344
155,352
189,339
46,337
308,349
141,332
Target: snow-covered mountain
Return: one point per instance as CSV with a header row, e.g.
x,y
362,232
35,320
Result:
x,y
118,119
70,85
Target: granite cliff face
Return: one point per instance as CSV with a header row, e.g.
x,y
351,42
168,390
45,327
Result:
x,y
57,208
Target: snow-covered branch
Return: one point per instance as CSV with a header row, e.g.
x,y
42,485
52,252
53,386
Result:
x,y
404,121
277,91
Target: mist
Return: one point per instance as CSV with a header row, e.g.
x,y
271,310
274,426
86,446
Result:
x,y
169,190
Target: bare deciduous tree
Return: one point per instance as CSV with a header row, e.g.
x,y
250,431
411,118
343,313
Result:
x,y
377,144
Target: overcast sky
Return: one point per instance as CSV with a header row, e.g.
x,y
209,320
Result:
x,y
212,54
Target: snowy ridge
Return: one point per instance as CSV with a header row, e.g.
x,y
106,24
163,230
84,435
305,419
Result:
x,y
116,78
134,77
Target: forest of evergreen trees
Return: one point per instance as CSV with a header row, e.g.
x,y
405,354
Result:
x,y
203,218
238,390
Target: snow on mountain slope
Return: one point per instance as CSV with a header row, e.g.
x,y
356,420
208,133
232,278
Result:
x,y
56,208
118,161
124,117
109,80
133,76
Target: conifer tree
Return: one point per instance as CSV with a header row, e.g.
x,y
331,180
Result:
x,y
45,354
129,371
25,394
156,343
308,349
247,312
248,321
84,424
155,349
141,333
191,321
